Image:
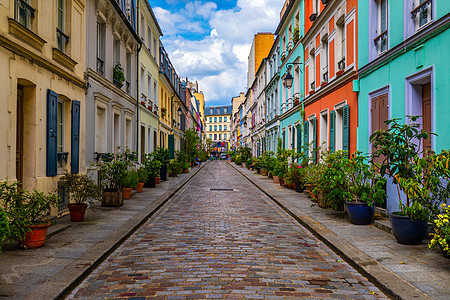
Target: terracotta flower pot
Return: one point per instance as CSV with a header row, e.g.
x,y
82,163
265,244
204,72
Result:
x,y
281,181
77,211
276,179
140,187
127,193
36,237
158,180
186,170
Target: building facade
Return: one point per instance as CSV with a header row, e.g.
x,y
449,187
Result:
x,y
403,70
218,127
148,68
42,114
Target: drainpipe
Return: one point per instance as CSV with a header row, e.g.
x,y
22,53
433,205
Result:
x,y
137,81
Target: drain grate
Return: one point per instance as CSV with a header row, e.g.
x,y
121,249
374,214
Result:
x,y
219,189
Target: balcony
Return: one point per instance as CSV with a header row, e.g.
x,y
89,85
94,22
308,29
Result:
x,y
62,40
128,86
313,86
289,47
381,41
424,12
325,75
100,66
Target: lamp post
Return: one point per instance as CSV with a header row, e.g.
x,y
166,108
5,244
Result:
x,y
288,79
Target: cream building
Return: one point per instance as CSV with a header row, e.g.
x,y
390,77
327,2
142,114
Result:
x,y
150,32
42,111
218,127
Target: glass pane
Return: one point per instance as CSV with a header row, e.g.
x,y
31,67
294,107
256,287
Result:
x,y
60,127
383,16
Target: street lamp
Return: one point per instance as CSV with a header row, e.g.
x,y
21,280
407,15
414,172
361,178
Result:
x,y
288,79
180,111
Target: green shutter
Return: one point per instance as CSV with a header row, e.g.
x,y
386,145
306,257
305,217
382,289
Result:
x,y
345,128
293,137
171,142
332,131
52,136
75,137
284,139
306,137
299,139
314,124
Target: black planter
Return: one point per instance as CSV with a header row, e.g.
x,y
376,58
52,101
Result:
x,y
151,182
446,254
163,173
258,170
406,231
360,213
299,186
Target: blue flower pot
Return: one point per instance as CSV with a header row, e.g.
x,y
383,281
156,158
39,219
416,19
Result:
x,y
406,231
360,213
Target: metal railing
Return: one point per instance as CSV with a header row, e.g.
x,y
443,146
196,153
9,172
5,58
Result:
x,y
62,40
100,66
422,11
24,11
313,86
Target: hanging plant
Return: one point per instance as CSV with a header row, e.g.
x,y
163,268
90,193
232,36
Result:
x,y
118,76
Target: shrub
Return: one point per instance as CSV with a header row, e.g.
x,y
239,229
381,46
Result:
x,y
131,179
4,226
238,160
152,163
441,235
79,187
142,174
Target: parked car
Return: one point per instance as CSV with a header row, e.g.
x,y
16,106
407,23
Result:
x,y
223,156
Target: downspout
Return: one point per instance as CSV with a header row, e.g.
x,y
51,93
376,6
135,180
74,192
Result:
x,y
137,81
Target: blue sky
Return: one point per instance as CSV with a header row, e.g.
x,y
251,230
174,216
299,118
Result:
x,y
209,41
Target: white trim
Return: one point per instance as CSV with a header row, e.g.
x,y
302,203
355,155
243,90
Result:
x,y
340,105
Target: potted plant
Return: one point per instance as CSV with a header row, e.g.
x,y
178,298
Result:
x,y
163,112
238,160
118,76
153,166
173,168
295,175
163,156
112,171
296,35
142,179
367,188
399,149
441,234
27,214
4,226
130,181
79,189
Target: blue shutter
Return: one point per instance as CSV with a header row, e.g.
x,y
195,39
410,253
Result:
x,y
314,124
75,137
299,139
345,128
306,137
52,136
171,142
332,131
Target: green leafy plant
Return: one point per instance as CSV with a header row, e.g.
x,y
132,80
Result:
x,y
112,171
24,208
4,226
296,35
191,142
399,149
142,174
118,74
163,156
153,164
441,235
131,179
238,160
174,167
79,187
249,163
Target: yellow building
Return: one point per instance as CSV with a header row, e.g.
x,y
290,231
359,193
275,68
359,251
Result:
x,y
42,63
150,32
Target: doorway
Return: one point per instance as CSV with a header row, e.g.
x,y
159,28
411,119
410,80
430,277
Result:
x,y
19,135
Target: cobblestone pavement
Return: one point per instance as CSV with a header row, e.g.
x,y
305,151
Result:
x,y
224,244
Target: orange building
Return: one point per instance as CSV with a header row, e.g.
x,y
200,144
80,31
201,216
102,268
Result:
x,y
331,104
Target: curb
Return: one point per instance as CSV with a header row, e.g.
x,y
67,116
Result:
x,y
387,281
67,279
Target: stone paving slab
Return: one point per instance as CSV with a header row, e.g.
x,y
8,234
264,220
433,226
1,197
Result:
x,y
406,272
222,238
51,271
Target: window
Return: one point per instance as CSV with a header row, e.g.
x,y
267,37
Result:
x,y
210,127
225,118
24,12
225,127
116,51
101,48
220,136
215,136
220,127
225,136
325,59
154,47
316,7
210,120
210,136
225,110
155,91
215,127
128,71
381,30
61,37
421,14
211,111
149,87
149,39
60,131
215,119
220,119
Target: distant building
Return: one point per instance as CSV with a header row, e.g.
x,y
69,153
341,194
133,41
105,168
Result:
x,y
218,127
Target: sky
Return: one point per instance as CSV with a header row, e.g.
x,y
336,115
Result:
x,y
209,41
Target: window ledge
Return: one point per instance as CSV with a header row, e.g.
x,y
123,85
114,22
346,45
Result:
x,y
63,59
25,34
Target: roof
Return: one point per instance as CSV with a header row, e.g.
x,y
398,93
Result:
x,y
218,110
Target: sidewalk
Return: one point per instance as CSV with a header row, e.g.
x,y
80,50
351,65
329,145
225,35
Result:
x,y
75,249
404,272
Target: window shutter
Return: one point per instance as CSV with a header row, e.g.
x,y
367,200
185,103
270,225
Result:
x,y
314,124
293,138
284,139
75,143
306,137
332,131
52,137
345,128
299,139
171,142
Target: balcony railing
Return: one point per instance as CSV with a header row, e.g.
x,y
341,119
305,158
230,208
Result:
x,y
24,12
62,40
382,38
341,64
313,86
325,77
100,66
422,10
289,47
128,86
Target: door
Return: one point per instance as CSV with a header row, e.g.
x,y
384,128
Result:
x,y
426,114
19,134
379,114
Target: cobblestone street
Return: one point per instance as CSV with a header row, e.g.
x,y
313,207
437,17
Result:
x,y
213,242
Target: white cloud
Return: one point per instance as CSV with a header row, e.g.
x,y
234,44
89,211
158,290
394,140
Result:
x,y
218,60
